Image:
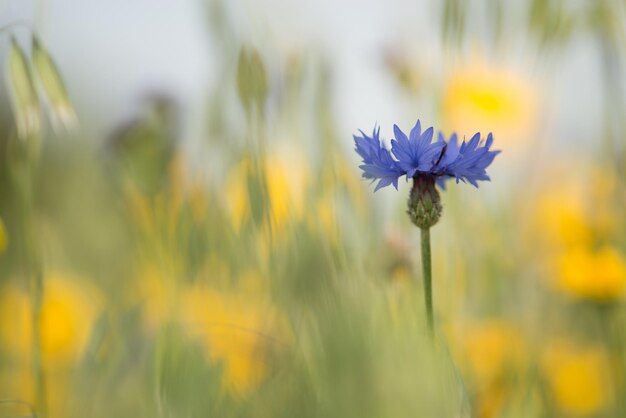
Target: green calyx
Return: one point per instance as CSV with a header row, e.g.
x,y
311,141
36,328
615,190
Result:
x,y
424,206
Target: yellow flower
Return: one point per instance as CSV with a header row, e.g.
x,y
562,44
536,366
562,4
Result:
x,y
488,352
237,197
235,326
583,211
578,378
479,97
156,293
595,274
561,217
286,178
490,348
574,223
68,311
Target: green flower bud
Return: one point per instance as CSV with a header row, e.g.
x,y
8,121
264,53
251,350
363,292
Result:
x,y
424,202
251,78
24,98
53,87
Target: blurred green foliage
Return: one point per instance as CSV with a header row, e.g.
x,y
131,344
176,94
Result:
x,y
275,284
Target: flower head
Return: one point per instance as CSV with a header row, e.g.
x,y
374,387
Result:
x,y
417,155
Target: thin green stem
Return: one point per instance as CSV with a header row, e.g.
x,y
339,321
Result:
x,y
37,296
25,185
427,274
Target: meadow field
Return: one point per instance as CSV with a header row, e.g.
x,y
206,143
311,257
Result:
x,y
186,230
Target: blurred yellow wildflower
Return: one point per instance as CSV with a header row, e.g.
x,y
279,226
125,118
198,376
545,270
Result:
x,y
490,349
489,352
595,274
575,223
235,326
578,212
68,312
156,293
561,218
482,97
578,378
286,178
237,196
4,238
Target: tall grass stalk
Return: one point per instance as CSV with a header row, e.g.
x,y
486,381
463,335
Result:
x,y
24,171
427,274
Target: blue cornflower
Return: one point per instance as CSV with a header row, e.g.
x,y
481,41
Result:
x,y
417,155
426,162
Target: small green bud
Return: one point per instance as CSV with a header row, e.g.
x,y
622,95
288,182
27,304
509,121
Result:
x,y
251,78
424,202
53,87
24,98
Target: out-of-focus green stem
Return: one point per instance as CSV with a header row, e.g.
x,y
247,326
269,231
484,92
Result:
x,y
25,179
427,274
36,287
37,296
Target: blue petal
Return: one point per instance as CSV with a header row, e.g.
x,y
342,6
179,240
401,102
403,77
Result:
x,y
417,153
378,164
416,131
472,160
